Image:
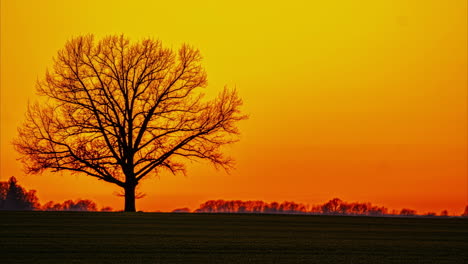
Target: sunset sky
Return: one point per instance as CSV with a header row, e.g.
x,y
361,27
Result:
x,y
361,100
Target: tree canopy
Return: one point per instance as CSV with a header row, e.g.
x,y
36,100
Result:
x,y
120,111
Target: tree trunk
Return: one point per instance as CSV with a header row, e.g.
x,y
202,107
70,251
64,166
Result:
x,y
130,198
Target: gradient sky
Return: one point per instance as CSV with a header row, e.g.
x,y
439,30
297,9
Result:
x,y
362,100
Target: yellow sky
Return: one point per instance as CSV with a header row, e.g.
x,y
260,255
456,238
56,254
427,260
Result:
x,y
364,100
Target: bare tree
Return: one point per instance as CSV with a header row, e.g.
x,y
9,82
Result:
x,y
120,111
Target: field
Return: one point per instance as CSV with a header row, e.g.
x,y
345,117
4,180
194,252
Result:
x,y
74,237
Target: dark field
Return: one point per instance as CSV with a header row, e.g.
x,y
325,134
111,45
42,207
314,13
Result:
x,y
69,237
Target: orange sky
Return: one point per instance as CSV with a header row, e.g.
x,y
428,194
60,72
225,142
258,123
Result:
x,y
366,102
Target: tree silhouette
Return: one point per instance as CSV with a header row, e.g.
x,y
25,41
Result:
x,y
120,111
15,197
332,206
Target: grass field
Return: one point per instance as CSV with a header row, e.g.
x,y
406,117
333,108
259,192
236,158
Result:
x,y
74,237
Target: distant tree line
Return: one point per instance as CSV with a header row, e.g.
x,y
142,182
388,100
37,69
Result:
x,y
78,205
14,197
333,207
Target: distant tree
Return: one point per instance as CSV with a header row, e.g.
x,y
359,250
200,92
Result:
x,y
316,209
51,206
272,207
83,205
377,211
407,212
345,208
15,197
430,214
360,208
444,213
257,206
332,206
120,112
292,207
